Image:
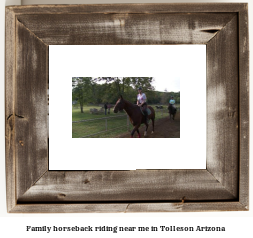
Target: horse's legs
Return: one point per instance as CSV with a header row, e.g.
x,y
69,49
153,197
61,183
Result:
x,y
174,115
135,129
132,133
153,125
139,135
145,132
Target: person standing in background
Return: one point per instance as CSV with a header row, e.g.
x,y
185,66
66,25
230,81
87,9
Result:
x,y
109,107
105,106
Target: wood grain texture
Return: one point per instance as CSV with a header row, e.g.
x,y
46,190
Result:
x,y
30,108
120,29
223,186
129,207
140,185
9,109
129,8
244,106
222,107
186,207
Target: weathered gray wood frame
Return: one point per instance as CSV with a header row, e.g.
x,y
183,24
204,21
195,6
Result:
x,y
223,186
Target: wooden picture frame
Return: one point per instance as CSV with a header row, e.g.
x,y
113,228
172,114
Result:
x,y
222,186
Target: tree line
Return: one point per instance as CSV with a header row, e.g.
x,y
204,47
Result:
x,y
107,90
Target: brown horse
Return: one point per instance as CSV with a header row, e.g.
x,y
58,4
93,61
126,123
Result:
x,y
135,115
172,111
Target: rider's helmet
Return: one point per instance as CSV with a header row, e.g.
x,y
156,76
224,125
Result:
x,y
140,88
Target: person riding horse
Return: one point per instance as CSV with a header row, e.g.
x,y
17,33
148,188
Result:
x,y
172,108
172,102
142,102
135,114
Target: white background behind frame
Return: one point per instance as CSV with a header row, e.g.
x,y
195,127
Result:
x,y
188,62
237,224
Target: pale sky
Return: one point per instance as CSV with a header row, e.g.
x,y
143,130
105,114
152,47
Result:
x,y
172,84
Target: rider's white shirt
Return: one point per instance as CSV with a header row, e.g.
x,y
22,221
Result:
x,y
141,98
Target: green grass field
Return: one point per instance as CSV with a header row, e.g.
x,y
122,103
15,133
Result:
x,y
83,129
77,115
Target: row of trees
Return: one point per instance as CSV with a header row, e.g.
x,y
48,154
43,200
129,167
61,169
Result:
x,y
107,89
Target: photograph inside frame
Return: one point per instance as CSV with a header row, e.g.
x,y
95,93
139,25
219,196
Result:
x,y
125,107
86,104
